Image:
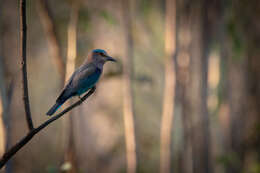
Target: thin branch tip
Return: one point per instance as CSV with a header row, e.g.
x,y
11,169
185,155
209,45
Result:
x,y
23,40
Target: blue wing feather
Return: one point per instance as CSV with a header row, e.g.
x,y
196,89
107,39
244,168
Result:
x,y
81,80
88,82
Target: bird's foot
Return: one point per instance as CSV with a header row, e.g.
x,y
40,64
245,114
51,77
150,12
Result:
x,y
80,98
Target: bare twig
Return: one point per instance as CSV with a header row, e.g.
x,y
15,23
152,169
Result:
x,y
20,144
33,131
23,36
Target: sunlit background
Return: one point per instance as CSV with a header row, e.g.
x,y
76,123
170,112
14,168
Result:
x,y
183,97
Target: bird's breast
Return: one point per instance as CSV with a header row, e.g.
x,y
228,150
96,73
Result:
x,y
89,81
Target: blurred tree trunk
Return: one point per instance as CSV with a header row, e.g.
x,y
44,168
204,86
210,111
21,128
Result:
x,y
70,163
252,118
4,118
65,71
2,129
252,31
8,69
3,98
70,153
52,38
236,98
182,82
169,88
128,106
244,86
224,115
198,88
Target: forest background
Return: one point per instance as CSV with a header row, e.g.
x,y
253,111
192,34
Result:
x,y
183,97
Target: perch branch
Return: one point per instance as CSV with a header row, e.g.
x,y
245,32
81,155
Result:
x,y
20,144
23,36
32,131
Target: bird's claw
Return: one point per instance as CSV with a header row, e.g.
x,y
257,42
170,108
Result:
x,y
80,98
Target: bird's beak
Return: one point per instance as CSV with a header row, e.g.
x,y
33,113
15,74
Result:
x,y
109,58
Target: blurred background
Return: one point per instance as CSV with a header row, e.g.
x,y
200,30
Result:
x,y
183,97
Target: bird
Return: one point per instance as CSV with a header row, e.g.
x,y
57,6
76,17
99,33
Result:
x,y
84,78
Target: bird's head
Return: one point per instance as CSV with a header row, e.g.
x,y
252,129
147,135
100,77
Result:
x,y
101,56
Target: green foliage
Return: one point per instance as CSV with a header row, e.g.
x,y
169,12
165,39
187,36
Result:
x,y
145,6
234,30
237,43
52,169
255,168
84,19
108,17
228,159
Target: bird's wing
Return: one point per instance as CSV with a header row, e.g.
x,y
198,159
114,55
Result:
x,y
82,73
72,84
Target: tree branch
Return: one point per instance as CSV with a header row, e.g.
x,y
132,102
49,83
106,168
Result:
x,y
32,131
20,144
23,36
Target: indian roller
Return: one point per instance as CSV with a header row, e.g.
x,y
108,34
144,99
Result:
x,y
84,78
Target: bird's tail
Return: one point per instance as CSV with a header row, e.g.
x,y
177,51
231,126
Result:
x,y
53,109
